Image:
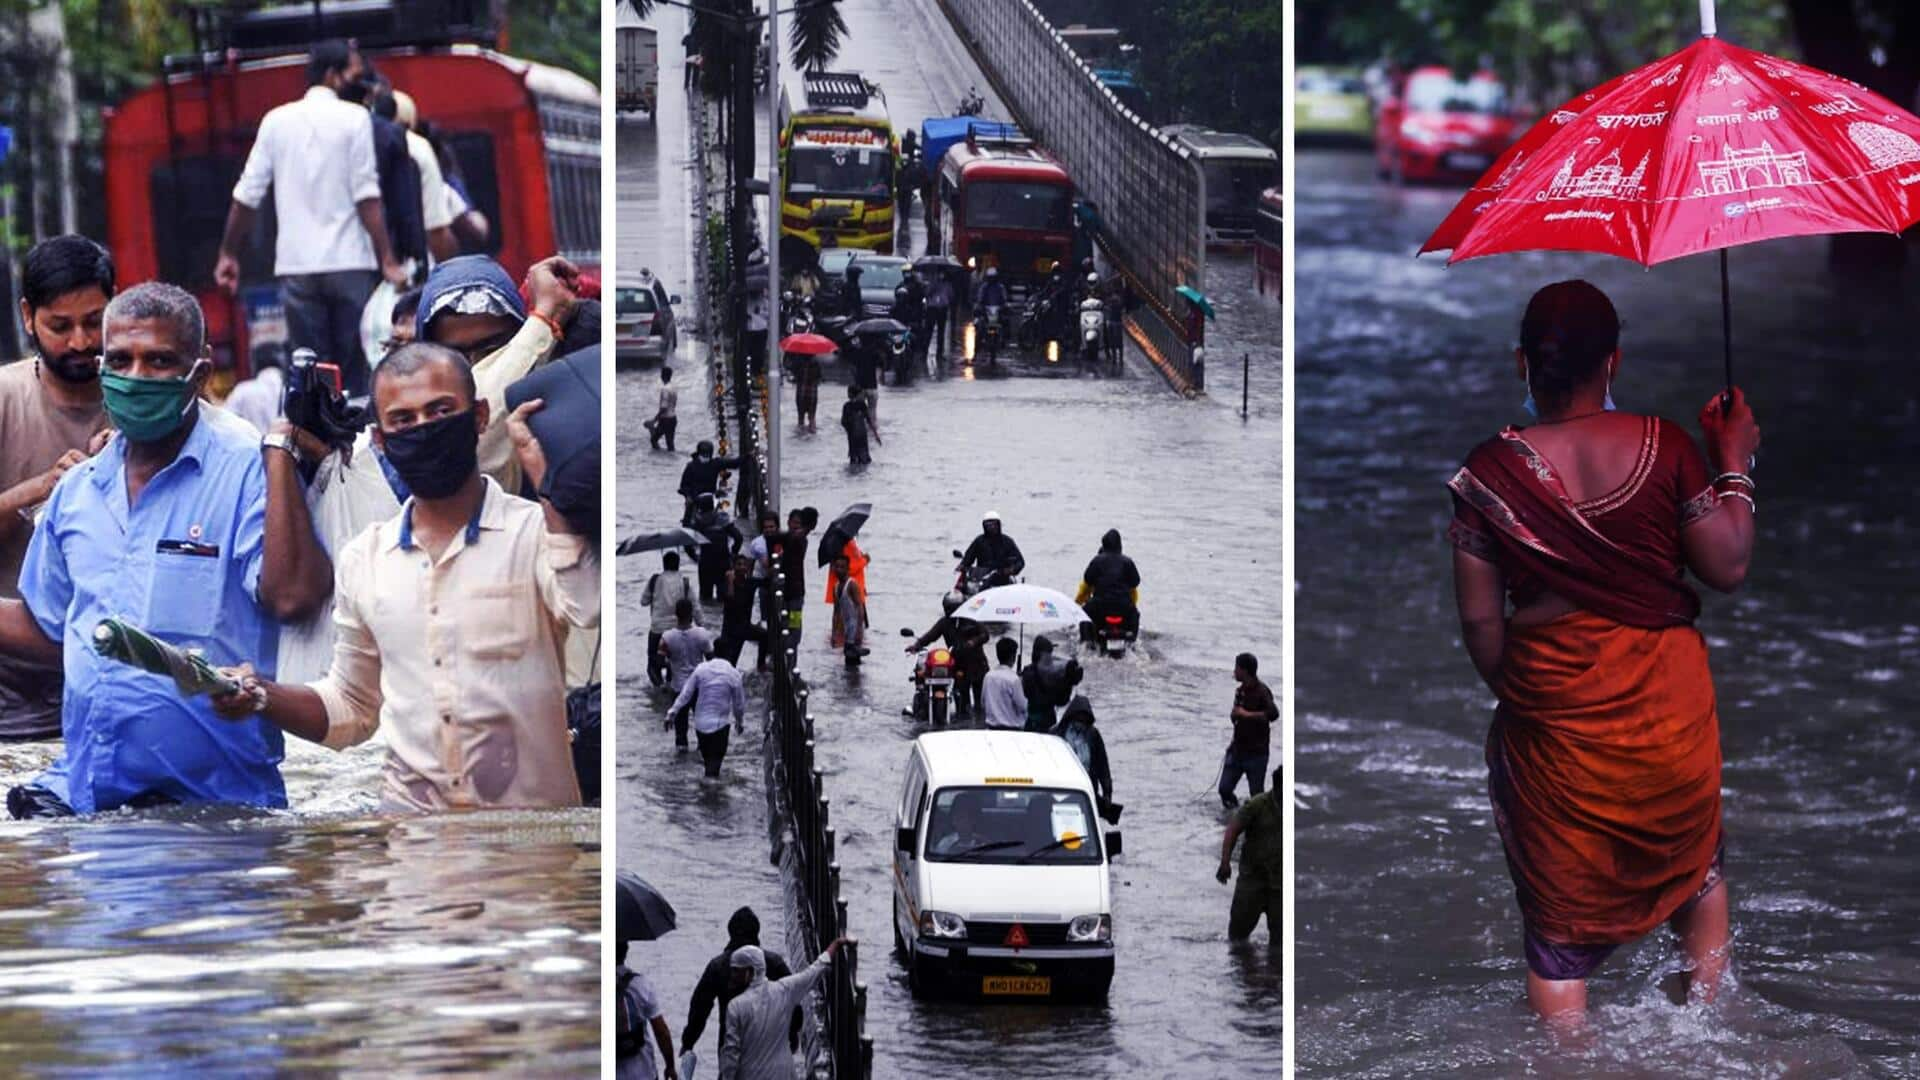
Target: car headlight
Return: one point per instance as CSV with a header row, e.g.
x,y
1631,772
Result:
x,y
1417,133
942,924
1091,928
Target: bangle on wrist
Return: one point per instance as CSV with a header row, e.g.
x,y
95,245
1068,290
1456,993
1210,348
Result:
x,y
551,324
1740,495
1734,478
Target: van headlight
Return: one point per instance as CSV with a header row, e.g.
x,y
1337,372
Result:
x,y
942,924
1091,928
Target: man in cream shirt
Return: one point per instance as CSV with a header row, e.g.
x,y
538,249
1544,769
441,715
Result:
x,y
450,615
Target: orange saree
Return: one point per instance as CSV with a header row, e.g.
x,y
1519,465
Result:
x,y
1604,753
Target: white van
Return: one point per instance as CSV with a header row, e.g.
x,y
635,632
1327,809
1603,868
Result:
x,y
1000,870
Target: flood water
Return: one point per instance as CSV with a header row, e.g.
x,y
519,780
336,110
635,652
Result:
x,y
1408,937
1195,492
321,939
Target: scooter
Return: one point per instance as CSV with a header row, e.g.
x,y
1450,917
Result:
x,y
1109,632
799,312
1093,329
971,105
933,677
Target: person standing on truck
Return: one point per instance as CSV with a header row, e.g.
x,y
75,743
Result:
x,y
331,248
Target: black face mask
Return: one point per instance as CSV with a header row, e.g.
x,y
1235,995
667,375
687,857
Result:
x,y
436,457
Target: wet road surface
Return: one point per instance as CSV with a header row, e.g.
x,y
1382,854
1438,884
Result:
x,y
1194,490
1408,936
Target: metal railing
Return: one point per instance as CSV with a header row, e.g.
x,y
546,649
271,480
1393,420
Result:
x,y
837,1045
1148,188
796,795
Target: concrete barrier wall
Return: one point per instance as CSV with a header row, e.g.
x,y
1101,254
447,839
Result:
x,y
1148,187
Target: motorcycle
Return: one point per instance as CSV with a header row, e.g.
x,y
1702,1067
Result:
x,y
986,334
934,674
1109,632
973,579
900,357
1093,331
972,104
799,312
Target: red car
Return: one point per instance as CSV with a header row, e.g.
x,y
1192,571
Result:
x,y
1434,126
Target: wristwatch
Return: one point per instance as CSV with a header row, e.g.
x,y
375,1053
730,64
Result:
x,y
282,441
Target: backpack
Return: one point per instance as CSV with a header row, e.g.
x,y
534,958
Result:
x,y
629,1031
1076,737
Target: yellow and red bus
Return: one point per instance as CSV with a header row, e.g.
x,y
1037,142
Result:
x,y
837,160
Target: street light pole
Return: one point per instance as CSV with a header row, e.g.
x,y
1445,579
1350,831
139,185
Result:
x,y
775,377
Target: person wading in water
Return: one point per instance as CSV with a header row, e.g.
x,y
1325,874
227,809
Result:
x,y
1604,753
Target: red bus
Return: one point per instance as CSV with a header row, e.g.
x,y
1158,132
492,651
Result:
x,y
1002,202
1269,229
527,137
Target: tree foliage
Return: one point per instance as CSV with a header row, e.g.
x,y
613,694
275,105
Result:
x,y
564,33
816,33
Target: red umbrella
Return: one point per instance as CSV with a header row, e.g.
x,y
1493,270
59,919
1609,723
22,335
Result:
x,y
1708,148
807,344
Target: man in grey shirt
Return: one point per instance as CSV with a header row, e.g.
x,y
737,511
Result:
x,y
685,647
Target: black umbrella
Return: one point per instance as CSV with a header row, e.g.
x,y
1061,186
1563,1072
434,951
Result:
x,y
640,913
842,529
878,326
677,537
937,262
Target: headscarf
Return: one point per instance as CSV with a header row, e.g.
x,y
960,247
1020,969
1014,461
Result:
x,y
468,285
752,958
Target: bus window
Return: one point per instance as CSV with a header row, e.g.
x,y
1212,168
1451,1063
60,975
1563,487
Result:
x,y
995,204
473,150
1235,186
571,132
190,196
818,171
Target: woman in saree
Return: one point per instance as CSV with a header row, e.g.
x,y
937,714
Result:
x,y
1572,538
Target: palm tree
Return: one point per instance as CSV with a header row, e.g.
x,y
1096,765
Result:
x,y
817,33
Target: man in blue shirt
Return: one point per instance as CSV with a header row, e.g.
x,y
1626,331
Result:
x,y
190,527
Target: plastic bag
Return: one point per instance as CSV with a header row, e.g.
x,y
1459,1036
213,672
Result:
x,y
344,499
376,321
688,1062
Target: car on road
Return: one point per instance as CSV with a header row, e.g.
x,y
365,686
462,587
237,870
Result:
x,y
1434,126
1000,869
644,326
1330,106
879,276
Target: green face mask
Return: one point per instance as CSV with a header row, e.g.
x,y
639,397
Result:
x,y
146,410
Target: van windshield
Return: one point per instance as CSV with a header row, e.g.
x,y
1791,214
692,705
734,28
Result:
x,y
1012,825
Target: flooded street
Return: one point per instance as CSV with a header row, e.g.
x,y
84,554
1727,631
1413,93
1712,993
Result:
x,y
1194,491
1408,936
322,939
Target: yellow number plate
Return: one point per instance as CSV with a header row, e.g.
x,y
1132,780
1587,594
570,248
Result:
x,y
1016,984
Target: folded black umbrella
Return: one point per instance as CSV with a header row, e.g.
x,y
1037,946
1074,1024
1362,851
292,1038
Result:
x,y
568,427
677,537
640,913
842,529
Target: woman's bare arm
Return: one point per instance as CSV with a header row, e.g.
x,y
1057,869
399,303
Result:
x,y
1719,547
1480,591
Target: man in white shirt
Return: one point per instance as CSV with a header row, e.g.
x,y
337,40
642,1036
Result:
x,y
316,155
662,595
450,614
666,419
716,694
1003,703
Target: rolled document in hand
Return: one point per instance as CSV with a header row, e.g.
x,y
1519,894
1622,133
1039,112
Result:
x,y
190,672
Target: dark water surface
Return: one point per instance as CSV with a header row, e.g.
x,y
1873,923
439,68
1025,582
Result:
x,y
1408,937
1196,494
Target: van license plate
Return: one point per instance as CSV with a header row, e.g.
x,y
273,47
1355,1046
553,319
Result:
x,y
1016,984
